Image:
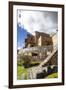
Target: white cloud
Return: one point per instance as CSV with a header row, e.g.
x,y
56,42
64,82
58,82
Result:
x,y
38,21
19,47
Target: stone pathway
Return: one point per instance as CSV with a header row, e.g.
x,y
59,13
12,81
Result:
x,y
37,70
23,76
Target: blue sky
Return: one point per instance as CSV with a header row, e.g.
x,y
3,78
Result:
x,y
21,35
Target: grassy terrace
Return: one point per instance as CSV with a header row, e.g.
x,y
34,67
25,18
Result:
x,y
22,71
53,75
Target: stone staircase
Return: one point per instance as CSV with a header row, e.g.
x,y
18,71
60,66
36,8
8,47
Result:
x,y
40,70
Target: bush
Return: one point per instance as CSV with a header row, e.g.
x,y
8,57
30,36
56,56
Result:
x,y
27,61
55,69
49,70
20,62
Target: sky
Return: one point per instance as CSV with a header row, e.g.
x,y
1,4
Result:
x,y
31,21
21,36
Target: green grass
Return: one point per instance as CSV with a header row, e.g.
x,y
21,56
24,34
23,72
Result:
x,y
53,75
20,71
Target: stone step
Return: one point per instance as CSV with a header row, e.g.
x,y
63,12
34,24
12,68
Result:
x,y
36,72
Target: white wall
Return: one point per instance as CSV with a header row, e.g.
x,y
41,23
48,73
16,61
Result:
x,y
4,45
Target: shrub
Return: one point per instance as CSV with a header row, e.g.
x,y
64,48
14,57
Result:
x,y
27,61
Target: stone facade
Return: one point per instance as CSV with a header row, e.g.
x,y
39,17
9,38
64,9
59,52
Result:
x,y
29,41
40,39
55,39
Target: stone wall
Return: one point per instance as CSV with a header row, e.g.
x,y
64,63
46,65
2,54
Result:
x,y
53,60
43,39
55,39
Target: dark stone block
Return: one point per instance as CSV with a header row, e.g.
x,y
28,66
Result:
x,y
45,73
40,75
55,69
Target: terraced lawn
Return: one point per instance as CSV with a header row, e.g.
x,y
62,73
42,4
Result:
x,y
53,75
22,72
